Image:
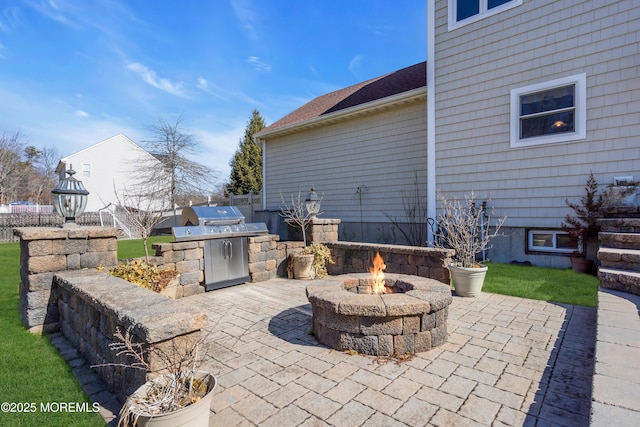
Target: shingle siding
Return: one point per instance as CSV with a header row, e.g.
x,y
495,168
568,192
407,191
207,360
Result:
x,y
380,151
476,67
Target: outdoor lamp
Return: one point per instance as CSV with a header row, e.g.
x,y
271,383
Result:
x,y
312,203
70,198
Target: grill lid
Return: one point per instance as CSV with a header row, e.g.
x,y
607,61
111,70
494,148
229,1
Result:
x,y
211,215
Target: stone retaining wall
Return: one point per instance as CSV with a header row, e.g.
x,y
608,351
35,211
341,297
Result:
x,y
187,258
46,250
350,257
93,305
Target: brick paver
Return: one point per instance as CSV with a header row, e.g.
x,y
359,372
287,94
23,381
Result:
x,y
509,361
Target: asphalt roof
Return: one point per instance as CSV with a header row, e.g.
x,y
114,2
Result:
x,y
396,82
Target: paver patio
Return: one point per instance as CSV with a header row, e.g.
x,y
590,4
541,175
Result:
x,y
508,361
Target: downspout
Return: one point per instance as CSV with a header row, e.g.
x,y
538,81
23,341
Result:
x,y
431,117
264,173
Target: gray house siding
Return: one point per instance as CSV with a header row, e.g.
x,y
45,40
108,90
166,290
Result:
x,y
380,153
476,67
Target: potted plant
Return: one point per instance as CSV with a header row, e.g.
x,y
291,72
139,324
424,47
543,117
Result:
x,y
465,226
299,213
321,257
583,226
179,394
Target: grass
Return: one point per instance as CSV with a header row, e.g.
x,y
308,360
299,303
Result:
x,y
32,370
133,248
539,283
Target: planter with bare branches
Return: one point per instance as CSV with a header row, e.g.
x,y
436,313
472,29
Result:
x,y
179,394
466,227
309,263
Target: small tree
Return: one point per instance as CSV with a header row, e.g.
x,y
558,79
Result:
x,y
246,164
296,213
583,224
144,207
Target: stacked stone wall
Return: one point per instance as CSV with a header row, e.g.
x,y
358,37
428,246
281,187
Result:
x,y
187,259
94,305
350,257
44,251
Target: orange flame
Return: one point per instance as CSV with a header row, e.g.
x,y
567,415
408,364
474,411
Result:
x,y
376,283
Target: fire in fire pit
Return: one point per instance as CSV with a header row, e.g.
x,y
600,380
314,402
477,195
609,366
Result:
x,y
407,315
376,284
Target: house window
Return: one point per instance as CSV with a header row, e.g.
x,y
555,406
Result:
x,y
551,241
86,170
549,112
462,12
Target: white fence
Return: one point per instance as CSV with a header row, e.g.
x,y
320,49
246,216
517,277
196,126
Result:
x,y
27,209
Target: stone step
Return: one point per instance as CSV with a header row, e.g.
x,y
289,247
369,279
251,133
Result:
x,y
620,225
621,212
621,280
619,259
619,240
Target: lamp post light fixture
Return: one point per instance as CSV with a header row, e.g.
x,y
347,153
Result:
x,y
70,198
312,203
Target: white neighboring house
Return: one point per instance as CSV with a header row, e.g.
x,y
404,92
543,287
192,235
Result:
x,y
106,169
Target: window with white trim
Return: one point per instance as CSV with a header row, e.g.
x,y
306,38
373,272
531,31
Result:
x,y
551,241
86,170
549,112
462,12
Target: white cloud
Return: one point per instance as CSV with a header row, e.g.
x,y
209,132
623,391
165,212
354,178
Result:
x,y
9,19
81,113
150,77
246,14
258,65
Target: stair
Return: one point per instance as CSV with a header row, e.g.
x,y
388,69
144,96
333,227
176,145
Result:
x,y
619,252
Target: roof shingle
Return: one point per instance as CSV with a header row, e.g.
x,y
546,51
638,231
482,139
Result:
x,y
400,81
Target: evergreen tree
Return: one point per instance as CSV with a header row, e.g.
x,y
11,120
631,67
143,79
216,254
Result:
x,y
246,164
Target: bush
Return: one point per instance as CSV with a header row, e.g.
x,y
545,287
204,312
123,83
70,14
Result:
x,y
141,273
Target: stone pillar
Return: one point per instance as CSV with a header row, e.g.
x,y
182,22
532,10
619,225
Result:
x,y
317,230
323,230
46,250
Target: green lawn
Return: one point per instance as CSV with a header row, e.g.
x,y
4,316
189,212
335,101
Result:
x,y
133,248
546,284
32,372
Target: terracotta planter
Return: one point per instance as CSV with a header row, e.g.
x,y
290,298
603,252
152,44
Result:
x,y
196,414
468,281
303,266
581,265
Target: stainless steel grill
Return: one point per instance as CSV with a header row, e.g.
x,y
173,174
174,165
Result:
x,y
225,242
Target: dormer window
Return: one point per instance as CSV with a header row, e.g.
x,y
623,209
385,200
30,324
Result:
x,y
462,12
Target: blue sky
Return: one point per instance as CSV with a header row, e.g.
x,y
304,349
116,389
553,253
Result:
x,y
76,72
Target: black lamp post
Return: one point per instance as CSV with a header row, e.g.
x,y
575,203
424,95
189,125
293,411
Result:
x,y
312,203
70,198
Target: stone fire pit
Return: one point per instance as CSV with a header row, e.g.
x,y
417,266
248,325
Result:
x,y
410,318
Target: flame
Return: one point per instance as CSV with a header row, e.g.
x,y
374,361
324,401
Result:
x,y
376,283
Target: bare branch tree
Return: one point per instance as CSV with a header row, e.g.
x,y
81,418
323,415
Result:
x,y
296,213
173,146
11,170
144,207
465,226
45,178
414,229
